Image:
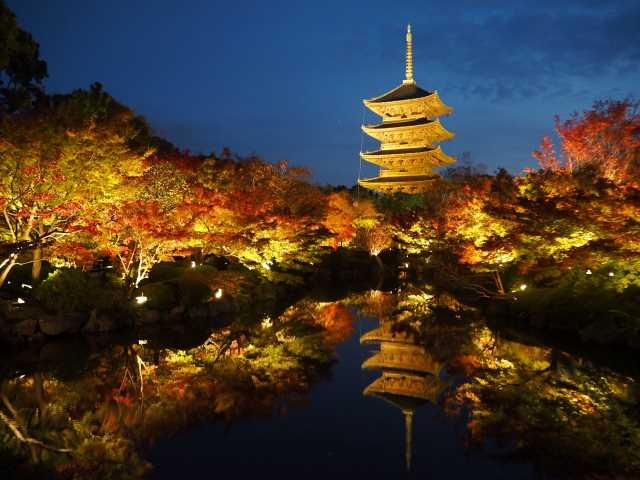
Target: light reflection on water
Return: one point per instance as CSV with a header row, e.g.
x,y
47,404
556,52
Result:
x,y
406,396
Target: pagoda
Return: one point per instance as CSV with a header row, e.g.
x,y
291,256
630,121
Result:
x,y
410,375
409,135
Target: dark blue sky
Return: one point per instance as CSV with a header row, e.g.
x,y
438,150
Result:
x,y
285,79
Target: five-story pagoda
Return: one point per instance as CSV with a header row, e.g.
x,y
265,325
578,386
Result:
x,y
409,135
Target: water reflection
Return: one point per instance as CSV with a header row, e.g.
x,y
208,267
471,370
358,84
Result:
x,y
410,376
97,409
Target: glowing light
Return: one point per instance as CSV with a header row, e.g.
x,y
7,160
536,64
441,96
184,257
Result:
x,y
26,285
523,287
266,323
611,274
193,264
266,265
109,266
588,271
218,293
142,342
406,265
20,300
140,299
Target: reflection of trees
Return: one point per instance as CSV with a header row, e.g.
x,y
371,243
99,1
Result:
x,y
19,427
90,424
375,303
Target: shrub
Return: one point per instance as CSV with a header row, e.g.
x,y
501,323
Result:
x,y
70,290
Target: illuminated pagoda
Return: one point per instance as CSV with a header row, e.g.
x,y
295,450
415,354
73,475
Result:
x,y
410,376
409,135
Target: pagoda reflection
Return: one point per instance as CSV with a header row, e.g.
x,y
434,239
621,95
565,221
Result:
x,y
410,375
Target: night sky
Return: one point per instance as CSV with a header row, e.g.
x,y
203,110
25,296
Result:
x,y
285,80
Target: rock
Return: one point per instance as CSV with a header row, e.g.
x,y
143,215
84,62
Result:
x,y
61,324
149,316
24,328
100,324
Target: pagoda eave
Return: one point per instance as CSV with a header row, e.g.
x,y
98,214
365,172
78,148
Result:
x,y
413,184
429,132
429,106
427,157
385,335
412,362
406,385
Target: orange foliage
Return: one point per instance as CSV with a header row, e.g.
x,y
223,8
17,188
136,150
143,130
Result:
x,y
337,319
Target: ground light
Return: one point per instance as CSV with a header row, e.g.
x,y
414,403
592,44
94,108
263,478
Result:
x,y
218,293
140,299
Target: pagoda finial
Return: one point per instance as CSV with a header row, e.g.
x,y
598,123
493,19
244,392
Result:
x,y
409,65
408,435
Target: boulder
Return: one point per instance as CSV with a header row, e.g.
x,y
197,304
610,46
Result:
x,y
100,324
24,328
61,324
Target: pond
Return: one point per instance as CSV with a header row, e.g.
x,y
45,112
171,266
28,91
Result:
x,y
408,383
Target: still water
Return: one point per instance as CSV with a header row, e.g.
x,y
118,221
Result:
x,y
404,384
339,431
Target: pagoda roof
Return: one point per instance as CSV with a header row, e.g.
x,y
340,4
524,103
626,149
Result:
x,y
414,132
412,122
409,361
407,184
401,388
408,157
386,334
404,91
400,179
401,151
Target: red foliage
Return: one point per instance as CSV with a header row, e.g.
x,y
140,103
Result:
x,y
606,138
337,319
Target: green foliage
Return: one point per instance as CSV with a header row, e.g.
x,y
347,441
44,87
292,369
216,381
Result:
x,y
74,291
162,296
20,62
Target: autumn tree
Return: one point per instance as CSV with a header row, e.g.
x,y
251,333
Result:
x,y
61,162
343,215
606,138
260,213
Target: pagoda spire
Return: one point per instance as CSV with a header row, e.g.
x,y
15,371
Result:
x,y
409,62
408,435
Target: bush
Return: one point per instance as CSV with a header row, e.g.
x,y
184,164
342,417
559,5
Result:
x,y
69,290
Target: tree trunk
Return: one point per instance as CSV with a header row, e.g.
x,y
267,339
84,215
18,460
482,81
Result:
x,y
379,262
36,267
498,281
7,268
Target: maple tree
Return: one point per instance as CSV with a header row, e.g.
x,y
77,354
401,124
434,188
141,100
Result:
x,y
606,138
61,162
